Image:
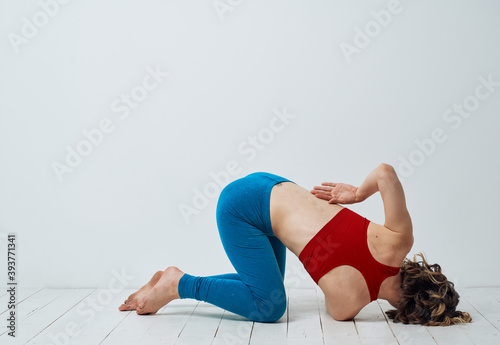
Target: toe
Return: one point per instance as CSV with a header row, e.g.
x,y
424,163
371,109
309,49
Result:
x,y
123,307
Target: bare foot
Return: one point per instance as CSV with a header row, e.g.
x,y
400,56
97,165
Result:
x,y
132,300
162,293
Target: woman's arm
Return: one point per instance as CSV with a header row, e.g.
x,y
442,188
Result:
x,y
383,179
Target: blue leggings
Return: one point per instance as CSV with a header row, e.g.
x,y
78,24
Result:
x,y
256,292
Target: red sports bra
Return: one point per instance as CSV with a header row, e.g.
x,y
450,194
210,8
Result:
x,y
343,241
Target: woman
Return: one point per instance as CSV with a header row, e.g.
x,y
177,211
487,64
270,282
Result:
x,y
354,261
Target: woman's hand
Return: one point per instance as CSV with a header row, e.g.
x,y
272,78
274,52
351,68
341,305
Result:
x,y
337,193
382,179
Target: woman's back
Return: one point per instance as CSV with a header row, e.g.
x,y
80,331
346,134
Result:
x,y
297,216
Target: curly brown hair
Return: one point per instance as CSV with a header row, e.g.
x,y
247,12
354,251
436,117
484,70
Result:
x,y
427,297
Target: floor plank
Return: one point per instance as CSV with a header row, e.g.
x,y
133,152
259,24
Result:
x,y
305,341
450,335
163,327
407,334
37,319
336,332
303,318
32,304
233,329
487,305
495,292
371,323
202,325
88,322
22,294
269,333
170,320
480,331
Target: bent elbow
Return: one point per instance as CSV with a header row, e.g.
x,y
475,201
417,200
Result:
x,y
386,168
339,315
387,173
342,318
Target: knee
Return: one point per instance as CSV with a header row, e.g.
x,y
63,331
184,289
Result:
x,y
269,310
278,311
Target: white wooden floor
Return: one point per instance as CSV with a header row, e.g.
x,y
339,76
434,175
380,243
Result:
x,y
90,316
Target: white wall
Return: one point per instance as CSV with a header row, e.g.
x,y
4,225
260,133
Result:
x,y
119,208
